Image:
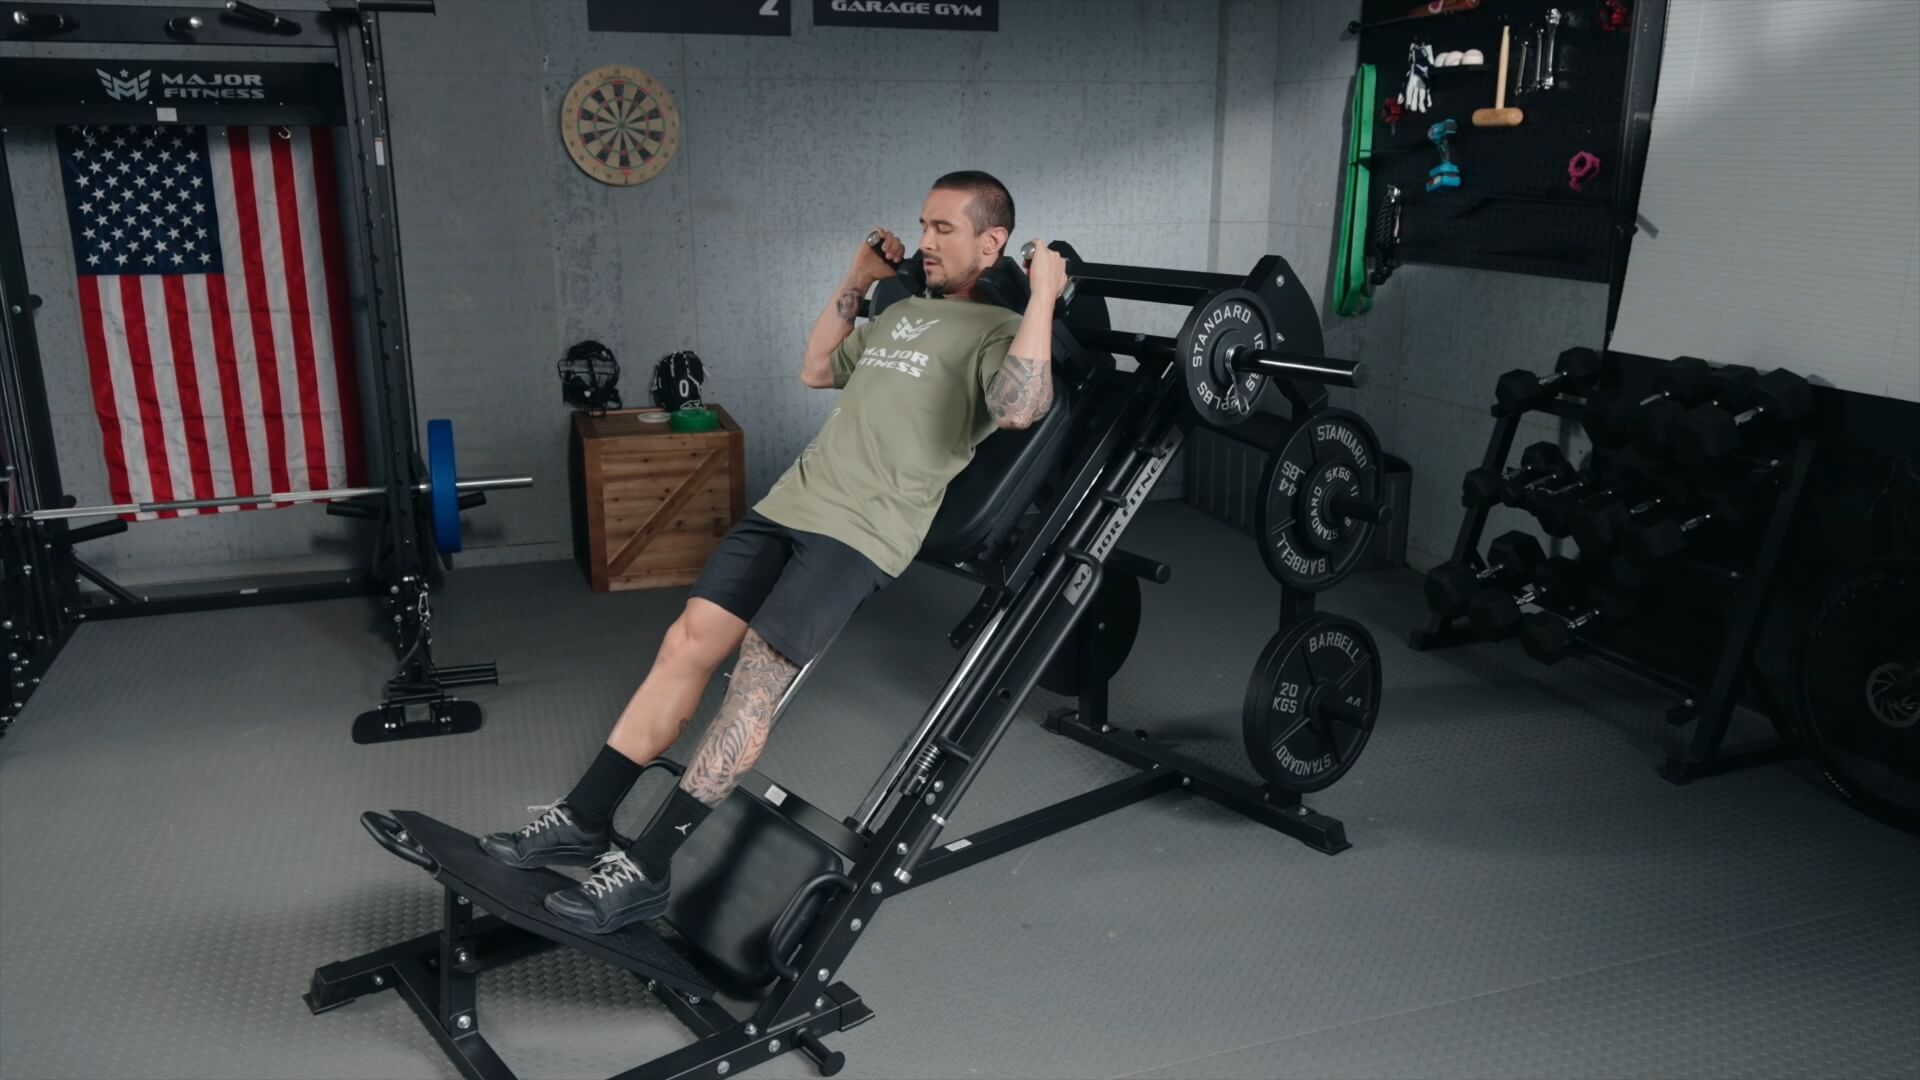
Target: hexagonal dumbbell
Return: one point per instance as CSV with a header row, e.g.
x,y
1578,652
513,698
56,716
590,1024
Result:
x,y
1495,612
1548,638
1712,431
1555,508
1450,585
1519,495
1666,536
1633,575
1598,525
1539,461
1653,426
1608,419
1520,389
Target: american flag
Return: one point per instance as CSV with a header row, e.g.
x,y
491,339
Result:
x,y
213,301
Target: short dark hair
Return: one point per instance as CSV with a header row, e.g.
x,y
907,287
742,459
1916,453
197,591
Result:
x,y
989,205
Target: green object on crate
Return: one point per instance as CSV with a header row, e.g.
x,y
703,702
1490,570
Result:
x,y
695,419
1350,293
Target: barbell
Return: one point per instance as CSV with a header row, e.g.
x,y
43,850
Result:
x,y
442,487
1225,354
1239,332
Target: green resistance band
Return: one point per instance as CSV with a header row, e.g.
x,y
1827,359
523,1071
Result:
x,y
1350,293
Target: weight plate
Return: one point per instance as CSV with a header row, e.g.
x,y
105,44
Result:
x,y
442,475
1227,320
1856,679
1308,543
1310,670
1106,630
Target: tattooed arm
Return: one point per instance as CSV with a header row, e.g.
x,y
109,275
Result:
x,y
836,321
1022,390
734,741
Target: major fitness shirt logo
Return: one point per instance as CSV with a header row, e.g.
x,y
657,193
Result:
x,y
906,329
905,361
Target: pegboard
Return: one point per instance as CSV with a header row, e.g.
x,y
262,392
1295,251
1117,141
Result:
x,y
1514,210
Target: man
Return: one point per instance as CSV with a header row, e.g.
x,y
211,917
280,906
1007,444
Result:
x,y
922,386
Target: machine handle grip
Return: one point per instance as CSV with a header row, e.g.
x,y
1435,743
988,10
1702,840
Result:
x,y
778,945
390,834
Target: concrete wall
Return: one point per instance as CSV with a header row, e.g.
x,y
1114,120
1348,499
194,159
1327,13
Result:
x,y
1100,115
1191,133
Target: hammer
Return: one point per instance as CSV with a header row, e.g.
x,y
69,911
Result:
x,y
1499,115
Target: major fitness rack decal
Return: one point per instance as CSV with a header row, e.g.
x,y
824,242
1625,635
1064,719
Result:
x,y
123,91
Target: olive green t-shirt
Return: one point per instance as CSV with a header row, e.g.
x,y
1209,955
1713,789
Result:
x,y
912,408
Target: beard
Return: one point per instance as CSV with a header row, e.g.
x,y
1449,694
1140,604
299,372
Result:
x,y
949,283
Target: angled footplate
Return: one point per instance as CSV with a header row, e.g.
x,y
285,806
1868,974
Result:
x,y
437,973
516,897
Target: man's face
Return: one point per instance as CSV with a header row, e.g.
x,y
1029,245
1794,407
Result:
x,y
954,254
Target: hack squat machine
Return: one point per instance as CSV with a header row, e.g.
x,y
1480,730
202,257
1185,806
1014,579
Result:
x,y
1035,521
771,892
332,75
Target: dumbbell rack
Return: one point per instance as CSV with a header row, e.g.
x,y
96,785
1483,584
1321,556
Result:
x,y
1708,704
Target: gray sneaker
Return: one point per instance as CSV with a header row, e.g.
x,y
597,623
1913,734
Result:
x,y
617,895
552,839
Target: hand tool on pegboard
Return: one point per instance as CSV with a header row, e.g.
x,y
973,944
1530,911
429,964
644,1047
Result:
x,y
1500,115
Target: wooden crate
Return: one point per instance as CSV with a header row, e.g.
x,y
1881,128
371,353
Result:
x,y
650,503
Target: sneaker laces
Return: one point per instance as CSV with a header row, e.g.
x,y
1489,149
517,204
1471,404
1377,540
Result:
x,y
611,871
551,817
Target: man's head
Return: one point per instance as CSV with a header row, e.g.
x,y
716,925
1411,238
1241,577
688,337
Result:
x,y
964,226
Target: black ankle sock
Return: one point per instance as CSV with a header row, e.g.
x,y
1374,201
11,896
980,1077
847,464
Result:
x,y
593,800
678,817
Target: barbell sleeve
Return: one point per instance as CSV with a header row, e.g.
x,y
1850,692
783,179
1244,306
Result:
x,y
1348,506
1343,713
1286,365
479,483
1271,362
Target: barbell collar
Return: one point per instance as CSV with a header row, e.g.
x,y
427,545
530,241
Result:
x,y
478,483
1300,367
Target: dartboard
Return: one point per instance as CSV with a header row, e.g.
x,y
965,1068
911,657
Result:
x,y
620,125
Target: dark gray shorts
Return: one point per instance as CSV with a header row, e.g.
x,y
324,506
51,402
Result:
x,y
795,589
